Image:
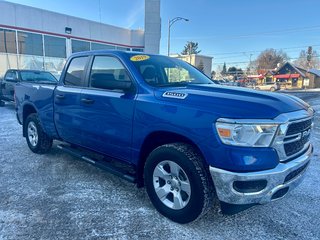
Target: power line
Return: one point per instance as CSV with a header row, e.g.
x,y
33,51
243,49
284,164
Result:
x,y
288,30
259,51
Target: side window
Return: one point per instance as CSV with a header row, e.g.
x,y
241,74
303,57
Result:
x,y
109,73
75,72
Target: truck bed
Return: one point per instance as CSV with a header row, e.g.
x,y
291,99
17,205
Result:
x,y
40,97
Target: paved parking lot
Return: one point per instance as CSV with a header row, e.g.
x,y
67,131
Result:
x,y
54,196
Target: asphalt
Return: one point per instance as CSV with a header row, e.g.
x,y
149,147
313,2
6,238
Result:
x,y
54,196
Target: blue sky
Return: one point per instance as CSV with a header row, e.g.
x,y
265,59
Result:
x,y
228,30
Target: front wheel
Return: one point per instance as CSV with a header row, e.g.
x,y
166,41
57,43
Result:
x,y
38,141
178,183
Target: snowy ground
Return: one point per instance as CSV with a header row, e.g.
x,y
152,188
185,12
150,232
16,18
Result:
x,y
53,196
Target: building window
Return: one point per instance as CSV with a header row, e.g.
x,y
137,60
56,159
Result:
x,y
30,43
123,49
80,46
294,82
137,49
99,46
55,46
74,75
8,41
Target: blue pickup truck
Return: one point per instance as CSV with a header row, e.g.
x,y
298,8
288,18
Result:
x,y
159,122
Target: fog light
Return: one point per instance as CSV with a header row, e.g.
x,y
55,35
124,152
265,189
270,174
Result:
x,y
249,186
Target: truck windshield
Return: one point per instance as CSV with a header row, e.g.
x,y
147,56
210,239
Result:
x,y
37,76
162,71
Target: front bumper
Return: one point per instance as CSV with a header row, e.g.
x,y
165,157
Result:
x,y
279,181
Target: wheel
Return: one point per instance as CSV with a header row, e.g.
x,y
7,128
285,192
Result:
x,y
272,89
38,141
257,88
178,183
2,103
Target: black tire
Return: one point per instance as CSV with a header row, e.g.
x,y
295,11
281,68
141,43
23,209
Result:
x,y
257,88
43,143
272,89
193,166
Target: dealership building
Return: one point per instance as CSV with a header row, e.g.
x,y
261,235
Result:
x,y
32,38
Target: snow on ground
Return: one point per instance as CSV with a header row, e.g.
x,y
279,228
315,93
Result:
x,y
54,196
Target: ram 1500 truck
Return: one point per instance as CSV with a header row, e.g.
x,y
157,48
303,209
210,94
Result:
x,y
161,123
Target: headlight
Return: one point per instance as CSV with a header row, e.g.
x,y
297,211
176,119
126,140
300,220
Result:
x,y
246,134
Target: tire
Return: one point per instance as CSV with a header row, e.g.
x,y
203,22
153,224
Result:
x,y
2,103
257,88
177,172
38,141
272,89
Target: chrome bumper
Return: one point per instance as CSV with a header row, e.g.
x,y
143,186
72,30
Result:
x,y
277,183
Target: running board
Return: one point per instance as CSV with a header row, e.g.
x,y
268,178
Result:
x,y
98,163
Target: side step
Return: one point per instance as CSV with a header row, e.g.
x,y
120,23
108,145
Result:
x,y
98,163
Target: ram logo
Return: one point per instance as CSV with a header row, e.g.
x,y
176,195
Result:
x,y
306,133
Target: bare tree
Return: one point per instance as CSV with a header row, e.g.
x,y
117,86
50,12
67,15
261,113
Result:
x,y
303,62
270,58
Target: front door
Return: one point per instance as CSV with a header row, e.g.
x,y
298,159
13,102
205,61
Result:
x,y
107,110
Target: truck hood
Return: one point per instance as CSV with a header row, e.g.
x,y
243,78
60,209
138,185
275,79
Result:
x,y
232,102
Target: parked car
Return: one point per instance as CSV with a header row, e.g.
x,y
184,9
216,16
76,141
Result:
x,y
13,76
187,140
268,87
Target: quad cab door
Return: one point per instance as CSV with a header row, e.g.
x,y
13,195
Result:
x,y
67,107
107,108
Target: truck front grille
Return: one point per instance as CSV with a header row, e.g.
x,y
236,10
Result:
x,y
295,147
299,131
299,127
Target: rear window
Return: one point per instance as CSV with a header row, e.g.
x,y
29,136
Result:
x,y
36,76
75,72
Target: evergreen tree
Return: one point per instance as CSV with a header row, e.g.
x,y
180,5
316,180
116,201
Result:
x,y
190,48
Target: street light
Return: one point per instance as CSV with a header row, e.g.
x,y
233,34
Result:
x,y
170,23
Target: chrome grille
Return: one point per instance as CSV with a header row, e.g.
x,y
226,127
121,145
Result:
x,y
293,135
298,134
299,127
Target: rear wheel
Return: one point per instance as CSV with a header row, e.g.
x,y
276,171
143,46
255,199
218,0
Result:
x,y
178,183
38,141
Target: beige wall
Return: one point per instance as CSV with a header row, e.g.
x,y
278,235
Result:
x,y
195,59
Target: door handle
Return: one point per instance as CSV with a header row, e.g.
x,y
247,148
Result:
x,y
87,101
59,96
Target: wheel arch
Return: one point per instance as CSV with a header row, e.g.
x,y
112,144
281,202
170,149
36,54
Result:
x,y
154,140
27,110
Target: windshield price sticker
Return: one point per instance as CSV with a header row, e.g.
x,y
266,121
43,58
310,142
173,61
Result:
x,y
138,58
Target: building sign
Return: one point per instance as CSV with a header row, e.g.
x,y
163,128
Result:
x,y
306,82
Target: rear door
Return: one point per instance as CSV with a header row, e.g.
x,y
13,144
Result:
x,y
67,108
107,114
